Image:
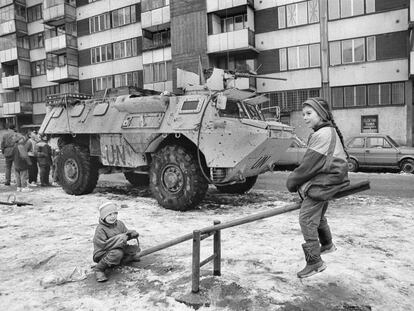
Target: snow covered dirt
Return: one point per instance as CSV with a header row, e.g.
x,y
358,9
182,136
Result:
x,y
46,254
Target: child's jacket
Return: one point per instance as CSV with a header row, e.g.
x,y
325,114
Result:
x,y
44,154
324,167
107,237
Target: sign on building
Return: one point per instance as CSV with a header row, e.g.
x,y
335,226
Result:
x,y
369,124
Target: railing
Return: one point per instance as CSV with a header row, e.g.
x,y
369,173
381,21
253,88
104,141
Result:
x,y
199,235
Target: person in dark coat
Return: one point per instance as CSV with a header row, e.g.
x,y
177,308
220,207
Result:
x,y
21,164
110,246
31,142
44,159
7,144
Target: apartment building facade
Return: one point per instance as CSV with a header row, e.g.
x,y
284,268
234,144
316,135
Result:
x,y
356,53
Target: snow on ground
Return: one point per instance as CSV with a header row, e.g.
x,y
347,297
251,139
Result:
x,y
43,244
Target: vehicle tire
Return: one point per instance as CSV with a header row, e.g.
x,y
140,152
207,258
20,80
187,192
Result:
x,y
407,166
352,165
176,180
77,170
239,188
137,179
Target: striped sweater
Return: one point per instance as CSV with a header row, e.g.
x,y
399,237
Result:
x,y
319,173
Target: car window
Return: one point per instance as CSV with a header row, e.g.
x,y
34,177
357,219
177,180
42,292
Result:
x,y
393,141
377,142
357,142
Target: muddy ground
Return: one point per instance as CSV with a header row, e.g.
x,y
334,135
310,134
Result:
x,y
46,254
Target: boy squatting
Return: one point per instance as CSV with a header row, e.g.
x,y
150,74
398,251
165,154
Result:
x,y
110,241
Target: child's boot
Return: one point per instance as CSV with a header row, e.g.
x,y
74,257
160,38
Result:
x,y
314,263
100,271
325,238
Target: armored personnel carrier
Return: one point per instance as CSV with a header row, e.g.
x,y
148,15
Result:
x,y
177,145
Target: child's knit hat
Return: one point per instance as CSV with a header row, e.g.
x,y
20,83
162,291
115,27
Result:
x,y
315,103
106,209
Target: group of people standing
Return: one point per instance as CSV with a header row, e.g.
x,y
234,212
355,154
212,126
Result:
x,y
31,156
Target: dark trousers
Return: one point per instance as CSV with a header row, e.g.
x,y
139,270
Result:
x,y
9,163
33,170
44,175
312,219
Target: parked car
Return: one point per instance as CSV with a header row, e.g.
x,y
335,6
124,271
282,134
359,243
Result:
x,y
378,151
293,155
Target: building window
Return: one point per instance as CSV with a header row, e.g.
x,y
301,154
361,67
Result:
x,y
12,12
126,79
296,14
148,5
22,42
34,13
38,68
353,51
158,72
348,8
101,54
352,8
371,95
283,59
99,23
102,83
369,49
37,41
124,16
39,94
125,48
289,100
299,57
234,23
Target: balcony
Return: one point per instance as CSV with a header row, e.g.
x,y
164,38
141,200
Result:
x,y
156,19
15,82
57,13
16,108
8,2
12,26
65,73
218,5
60,43
13,54
235,41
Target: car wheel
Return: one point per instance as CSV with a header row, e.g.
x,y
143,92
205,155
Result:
x,y
352,165
407,166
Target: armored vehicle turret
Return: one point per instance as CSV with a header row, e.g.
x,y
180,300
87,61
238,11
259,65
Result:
x,y
177,145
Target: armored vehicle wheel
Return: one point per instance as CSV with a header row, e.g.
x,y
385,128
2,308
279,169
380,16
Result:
x,y
407,166
239,188
176,180
137,179
77,171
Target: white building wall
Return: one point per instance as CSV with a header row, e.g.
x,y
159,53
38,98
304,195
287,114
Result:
x,y
110,68
288,37
109,36
391,120
297,79
369,72
99,7
155,56
368,25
